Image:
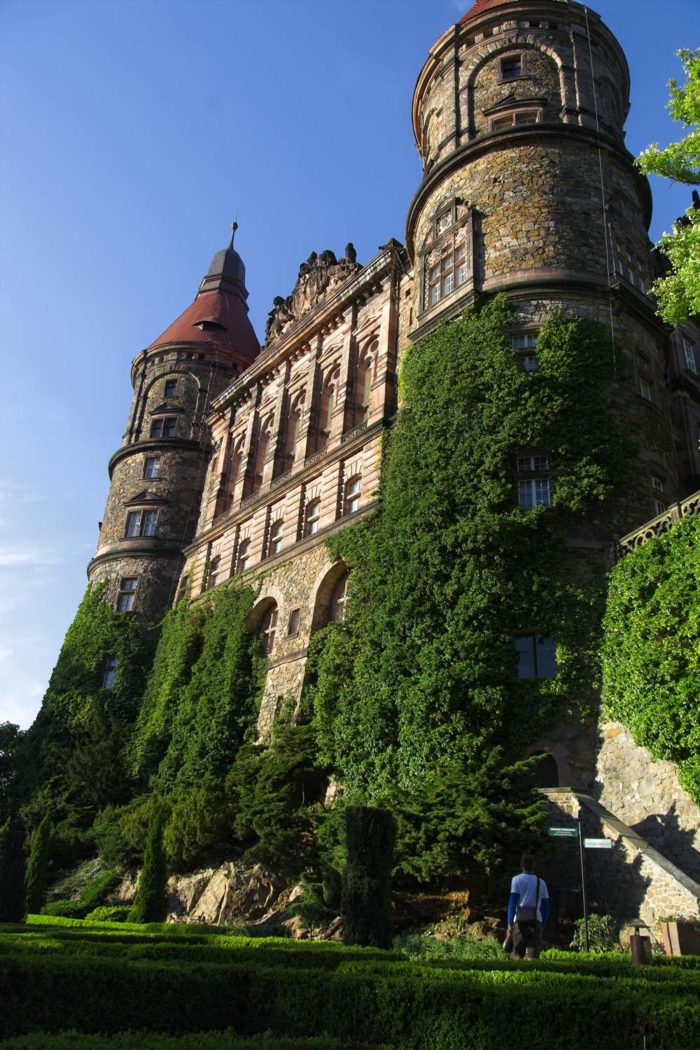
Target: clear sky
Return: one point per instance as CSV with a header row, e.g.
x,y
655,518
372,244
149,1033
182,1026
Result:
x,y
132,132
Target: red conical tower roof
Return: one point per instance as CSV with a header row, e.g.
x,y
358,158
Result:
x,y
480,6
219,315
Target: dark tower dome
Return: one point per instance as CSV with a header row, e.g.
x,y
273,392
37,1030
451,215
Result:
x,y
218,317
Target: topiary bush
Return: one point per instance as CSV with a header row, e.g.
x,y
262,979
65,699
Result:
x,y
151,903
366,893
37,865
12,866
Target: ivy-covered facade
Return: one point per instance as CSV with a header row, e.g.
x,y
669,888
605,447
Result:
x,y
375,553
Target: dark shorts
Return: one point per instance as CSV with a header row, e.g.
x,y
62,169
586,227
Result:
x,y
527,939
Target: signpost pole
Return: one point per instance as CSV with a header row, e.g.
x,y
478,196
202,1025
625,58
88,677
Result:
x,y
583,882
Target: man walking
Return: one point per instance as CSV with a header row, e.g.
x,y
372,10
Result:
x,y
528,910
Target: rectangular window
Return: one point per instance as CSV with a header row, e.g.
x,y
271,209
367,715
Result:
x,y
511,67
126,595
525,116
293,626
109,675
689,357
141,523
645,388
535,464
659,494
536,656
445,276
151,467
170,387
535,492
243,556
524,343
164,426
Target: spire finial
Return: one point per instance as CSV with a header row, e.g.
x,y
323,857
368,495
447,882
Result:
x,y
234,227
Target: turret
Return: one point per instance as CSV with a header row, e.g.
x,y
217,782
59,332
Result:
x,y
158,473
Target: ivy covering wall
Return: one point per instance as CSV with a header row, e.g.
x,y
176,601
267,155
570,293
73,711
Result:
x,y
422,677
651,655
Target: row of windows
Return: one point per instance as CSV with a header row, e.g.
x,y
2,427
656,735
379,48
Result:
x,y
275,539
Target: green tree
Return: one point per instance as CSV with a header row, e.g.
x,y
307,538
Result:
x,y
37,865
12,870
10,741
678,293
151,903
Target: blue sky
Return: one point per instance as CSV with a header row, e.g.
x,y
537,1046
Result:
x,y
132,132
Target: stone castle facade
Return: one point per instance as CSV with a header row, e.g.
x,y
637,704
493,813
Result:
x,y
242,459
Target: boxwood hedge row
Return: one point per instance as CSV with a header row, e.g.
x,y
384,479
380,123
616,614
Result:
x,y
360,1000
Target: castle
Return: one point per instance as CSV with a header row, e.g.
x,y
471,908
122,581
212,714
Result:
x,y
242,459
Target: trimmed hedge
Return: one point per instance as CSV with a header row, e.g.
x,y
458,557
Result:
x,y
124,981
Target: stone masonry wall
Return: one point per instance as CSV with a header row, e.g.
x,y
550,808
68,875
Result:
x,y
645,793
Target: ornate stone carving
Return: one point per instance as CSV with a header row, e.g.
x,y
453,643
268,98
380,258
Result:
x,y
318,277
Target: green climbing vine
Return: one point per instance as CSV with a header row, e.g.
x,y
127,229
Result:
x,y
75,753
651,655
422,677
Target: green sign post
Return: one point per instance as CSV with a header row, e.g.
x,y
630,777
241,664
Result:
x,y
563,833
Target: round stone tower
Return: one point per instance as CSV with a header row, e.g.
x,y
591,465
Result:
x,y
157,475
528,189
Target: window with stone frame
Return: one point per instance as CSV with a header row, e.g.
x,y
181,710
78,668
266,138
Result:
x,y
141,523
170,388
126,594
268,629
293,622
164,426
689,356
243,556
109,674
512,67
182,588
446,255
151,467
536,655
274,545
312,517
534,485
353,494
366,367
524,343
261,448
646,387
213,572
659,498
337,608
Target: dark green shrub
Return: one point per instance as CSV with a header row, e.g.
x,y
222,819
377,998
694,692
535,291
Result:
x,y
37,865
199,823
602,934
90,896
12,835
366,898
151,903
109,913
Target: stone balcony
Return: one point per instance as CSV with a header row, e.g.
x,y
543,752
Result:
x,y
659,525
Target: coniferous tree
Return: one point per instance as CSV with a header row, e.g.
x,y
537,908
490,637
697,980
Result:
x,y
12,871
151,902
366,897
37,865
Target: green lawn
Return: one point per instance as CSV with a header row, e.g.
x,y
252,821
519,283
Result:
x,y
124,985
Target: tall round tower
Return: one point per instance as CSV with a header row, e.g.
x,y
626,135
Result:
x,y
157,475
528,189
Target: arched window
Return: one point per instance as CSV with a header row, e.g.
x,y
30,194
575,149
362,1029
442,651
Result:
x,y
546,772
262,446
353,494
243,556
326,410
275,542
339,598
294,429
312,517
363,384
268,627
